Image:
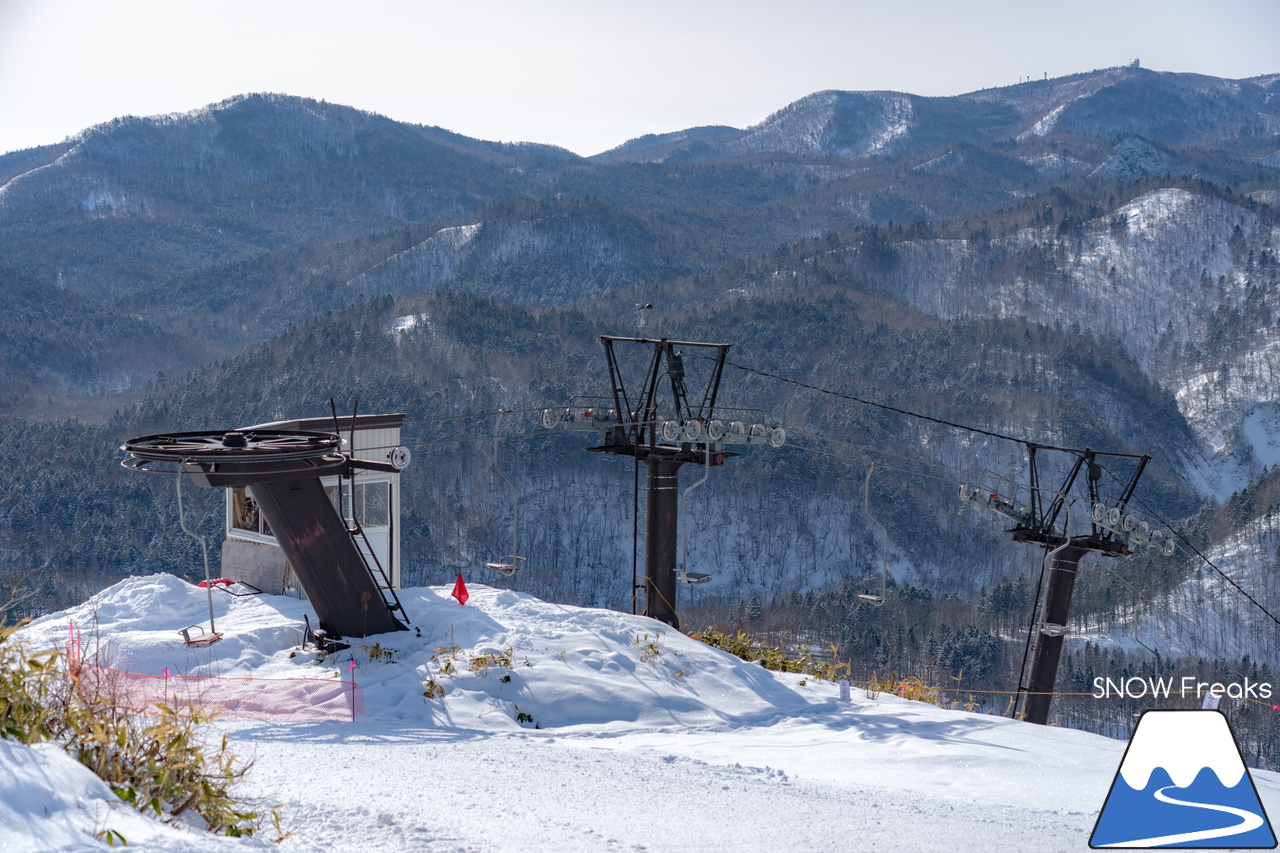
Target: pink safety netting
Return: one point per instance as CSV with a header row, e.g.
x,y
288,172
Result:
x,y
286,699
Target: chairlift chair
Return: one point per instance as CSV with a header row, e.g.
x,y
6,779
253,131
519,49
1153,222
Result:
x,y
683,575
508,565
204,638
511,563
876,600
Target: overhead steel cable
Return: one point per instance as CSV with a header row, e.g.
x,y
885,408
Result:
x,y
1003,437
1193,549
480,417
907,412
864,448
1187,631
885,406
867,458
959,476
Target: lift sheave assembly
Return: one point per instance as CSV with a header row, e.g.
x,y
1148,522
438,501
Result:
x,y
653,418
282,472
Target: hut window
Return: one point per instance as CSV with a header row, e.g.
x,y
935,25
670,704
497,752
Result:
x,y
371,502
244,511
245,514
375,504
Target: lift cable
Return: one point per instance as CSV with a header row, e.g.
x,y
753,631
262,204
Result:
x,y
1005,437
1213,654
1193,549
1199,642
533,407
895,409
1136,595
479,417
968,476
865,458
957,477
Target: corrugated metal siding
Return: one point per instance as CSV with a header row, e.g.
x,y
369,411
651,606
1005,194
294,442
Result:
x,y
371,444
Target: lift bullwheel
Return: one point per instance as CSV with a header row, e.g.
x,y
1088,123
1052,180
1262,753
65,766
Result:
x,y
232,446
282,471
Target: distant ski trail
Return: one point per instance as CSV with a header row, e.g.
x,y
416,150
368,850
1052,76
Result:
x,y
1250,821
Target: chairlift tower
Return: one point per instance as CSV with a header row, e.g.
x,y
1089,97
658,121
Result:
x,y
1113,529
663,426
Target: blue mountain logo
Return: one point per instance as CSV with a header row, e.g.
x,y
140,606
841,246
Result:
x,y
1183,783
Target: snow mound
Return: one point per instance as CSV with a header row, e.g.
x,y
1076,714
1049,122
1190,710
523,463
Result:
x,y
49,801
569,666
505,660
136,624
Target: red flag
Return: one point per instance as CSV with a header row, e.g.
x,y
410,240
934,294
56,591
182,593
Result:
x,y
460,590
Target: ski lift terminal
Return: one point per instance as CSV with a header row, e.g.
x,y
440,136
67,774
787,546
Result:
x,y
250,551
319,529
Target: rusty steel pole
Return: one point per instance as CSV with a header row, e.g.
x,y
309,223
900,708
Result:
x,y
1063,567
663,524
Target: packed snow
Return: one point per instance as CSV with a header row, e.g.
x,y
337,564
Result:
x,y
563,729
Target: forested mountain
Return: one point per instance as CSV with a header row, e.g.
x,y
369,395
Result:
x,y
1089,261
250,175
1227,116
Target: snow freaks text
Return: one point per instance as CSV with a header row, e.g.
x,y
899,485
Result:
x,y
1137,687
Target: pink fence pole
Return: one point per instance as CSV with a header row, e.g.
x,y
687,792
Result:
x,y
352,670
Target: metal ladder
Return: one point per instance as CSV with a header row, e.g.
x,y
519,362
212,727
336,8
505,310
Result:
x,y
374,566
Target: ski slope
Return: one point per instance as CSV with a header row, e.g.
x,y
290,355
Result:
x,y
644,740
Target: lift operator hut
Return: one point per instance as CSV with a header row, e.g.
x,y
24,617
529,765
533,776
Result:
x,y
251,554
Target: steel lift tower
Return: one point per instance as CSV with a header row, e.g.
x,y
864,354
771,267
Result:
x,y
1112,530
663,426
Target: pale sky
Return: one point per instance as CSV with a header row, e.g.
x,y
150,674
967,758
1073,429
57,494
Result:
x,y
583,75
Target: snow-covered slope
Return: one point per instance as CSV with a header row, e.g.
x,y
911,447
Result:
x,y
640,738
1167,275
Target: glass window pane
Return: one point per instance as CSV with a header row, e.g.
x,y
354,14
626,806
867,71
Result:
x,y
244,510
375,499
343,510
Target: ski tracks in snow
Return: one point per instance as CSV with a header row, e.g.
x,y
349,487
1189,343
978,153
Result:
x,y
435,791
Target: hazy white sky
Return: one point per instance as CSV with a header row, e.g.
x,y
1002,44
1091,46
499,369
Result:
x,y
583,75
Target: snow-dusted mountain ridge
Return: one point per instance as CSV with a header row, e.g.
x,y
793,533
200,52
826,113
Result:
x,y
1179,109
